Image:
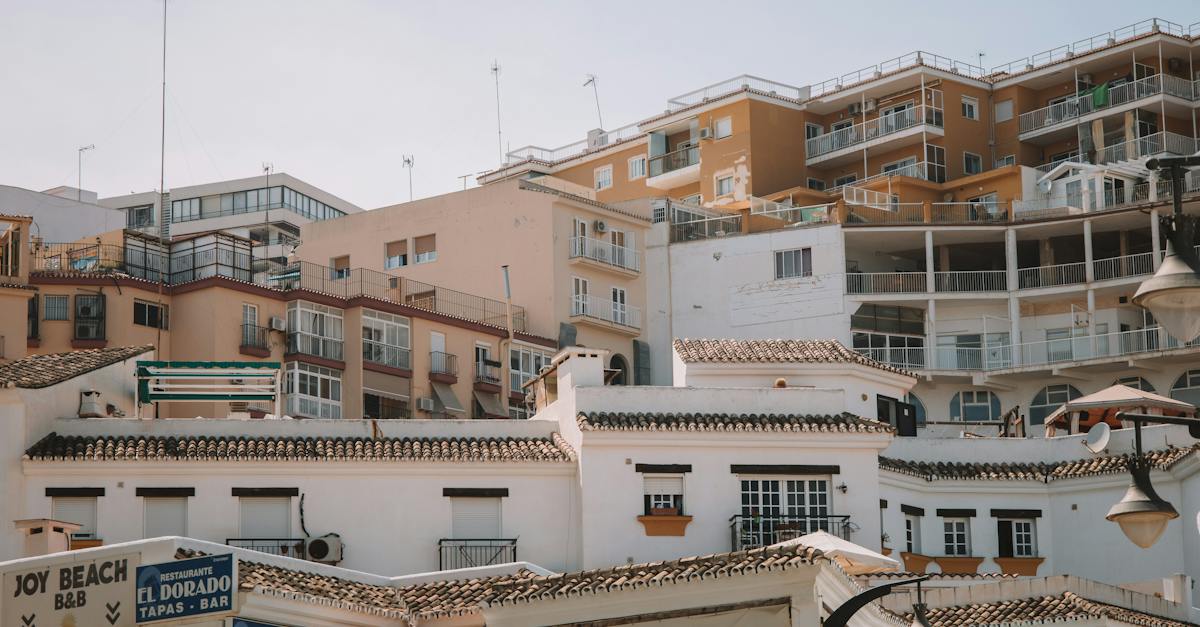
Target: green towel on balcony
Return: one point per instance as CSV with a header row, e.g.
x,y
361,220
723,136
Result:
x,y
1100,95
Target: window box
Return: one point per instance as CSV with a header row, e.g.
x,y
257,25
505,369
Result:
x,y
1023,566
915,562
664,511
665,525
958,565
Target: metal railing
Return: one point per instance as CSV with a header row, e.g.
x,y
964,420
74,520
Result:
x,y
970,281
881,126
924,170
1088,44
789,214
885,282
255,336
674,160
706,228
733,85
387,355
1072,156
1162,142
1050,276
443,363
885,213
1123,266
1076,106
470,553
969,212
606,310
573,149
287,547
904,61
748,531
315,345
909,357
487,372
606,252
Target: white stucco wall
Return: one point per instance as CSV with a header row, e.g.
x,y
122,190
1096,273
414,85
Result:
x,y
57,219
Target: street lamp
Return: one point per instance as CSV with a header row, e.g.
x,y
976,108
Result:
x,y
1173,293
1142,514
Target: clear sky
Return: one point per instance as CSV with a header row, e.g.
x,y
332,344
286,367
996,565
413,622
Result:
x,y
336,92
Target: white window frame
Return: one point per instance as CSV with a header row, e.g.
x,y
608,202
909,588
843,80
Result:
x,y
792,497
845,179
800,260
966,170
808,126
840,124
970,107
727,131
602,178
580,293
912,534
638,172
620,305
428,256
524,364
975,395
717,185
319,324
653,486
956,541
694,199
897,165
243,533
386,332
1024,542
395,261
1005,161
327,403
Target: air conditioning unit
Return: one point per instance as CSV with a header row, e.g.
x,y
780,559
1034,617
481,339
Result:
x,y
870,105
326,549
601,226
1086,78
706,133
426,404
854,109
278,323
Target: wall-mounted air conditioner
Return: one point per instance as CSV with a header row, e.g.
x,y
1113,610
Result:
x,y
854,109
706,133
278,323
326,549
426,404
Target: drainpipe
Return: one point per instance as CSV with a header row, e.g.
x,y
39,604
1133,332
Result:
x,y
506,343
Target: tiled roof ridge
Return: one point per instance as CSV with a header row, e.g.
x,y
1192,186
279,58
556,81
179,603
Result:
x,y
1040,610
56,447
1161,459
317,589
44,370
777,350
844,422
534,186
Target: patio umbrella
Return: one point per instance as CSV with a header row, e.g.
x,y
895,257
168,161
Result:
x,y
854,559
1103,406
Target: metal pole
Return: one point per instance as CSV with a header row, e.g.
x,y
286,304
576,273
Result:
x,y
499,133
162,176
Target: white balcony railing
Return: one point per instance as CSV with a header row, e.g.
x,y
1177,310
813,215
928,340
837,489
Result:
x,y
881,126
970,281
969,212
1123,266
789,214
1097,41
606,310
574,149
885,282
1163,142
1076,106
1050,276
606,252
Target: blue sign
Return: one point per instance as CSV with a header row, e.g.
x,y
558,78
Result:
x,y
182,588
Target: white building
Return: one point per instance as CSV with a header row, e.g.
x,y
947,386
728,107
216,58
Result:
x,y
58,215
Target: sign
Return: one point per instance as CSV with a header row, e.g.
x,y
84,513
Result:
x,y
182,588
84,593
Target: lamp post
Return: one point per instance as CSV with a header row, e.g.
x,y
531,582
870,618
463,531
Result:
x,y
1173,293
841,616
1142,514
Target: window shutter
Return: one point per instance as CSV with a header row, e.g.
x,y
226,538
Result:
x,y
424,244
475,518
663,485
165,516
397,248
566,335
80,510
266,517
1005,537
641,363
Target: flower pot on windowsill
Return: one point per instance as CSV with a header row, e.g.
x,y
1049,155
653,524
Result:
x,y
915,562
1023,566
665,525
958,564
664,511
887,551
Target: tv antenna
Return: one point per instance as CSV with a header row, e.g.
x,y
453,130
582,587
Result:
x,y
408,163
79,189
499,134
464,178
591,80
268,168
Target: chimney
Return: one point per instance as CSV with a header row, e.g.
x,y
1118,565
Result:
x,y
580,367
44,535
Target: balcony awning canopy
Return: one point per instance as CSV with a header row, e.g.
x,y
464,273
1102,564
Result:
x,y
854,559
446,396
490,404
1104,405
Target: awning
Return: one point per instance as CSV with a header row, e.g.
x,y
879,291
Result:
x,y
1104,405
490,404
447,397
854,559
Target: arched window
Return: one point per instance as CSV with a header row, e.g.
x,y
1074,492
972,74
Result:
x,y
975,406
912,399
1049,399
1136,383
618,363
1187,387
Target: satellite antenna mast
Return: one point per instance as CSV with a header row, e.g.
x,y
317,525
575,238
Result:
x,y
79,190
408,163
499,134
162,194
591,80
464,178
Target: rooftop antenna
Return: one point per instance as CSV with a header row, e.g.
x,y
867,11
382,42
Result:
x,y
162,193
591,80
408,163
499,134
268,168
464,178
79,190
981,55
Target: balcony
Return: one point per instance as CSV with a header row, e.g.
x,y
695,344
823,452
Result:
x,y
675,169
1123,266
886,283
748,532
255,341
1161,143
443,367
315,346
1078,108
387,355
606,314
970,281
471,553
705,228
1052,276
606,254
287,547
888,129
487,372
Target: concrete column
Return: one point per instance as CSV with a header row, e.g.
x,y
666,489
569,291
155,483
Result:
x,y
931,331
1153,182
1155,246
1010,258
929,262
1091,309
1088,272
1014,328
1086,194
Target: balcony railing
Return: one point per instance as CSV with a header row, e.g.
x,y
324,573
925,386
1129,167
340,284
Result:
x,y
909,357
1088,44
970,281
1072,156
443,363
487,372
1162,142
1077,106
881,126
471,553
287,547
991,212
1050,276
885,282
674,160
606,310
705,228
606,252
747,532
387,355
315,345
1124,266
255,336
924,170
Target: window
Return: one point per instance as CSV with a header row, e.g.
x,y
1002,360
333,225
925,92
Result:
x,y
164,516
1016,538
314,329
906,351
340,267
972,163
620,309
793,263
918,407
602,177
265,517
694,199
637,167
299,203
139,217
723,128
89,316
813,130
1187,387
80,510
54,307
386,339
1003,110
579,296
475,518
313,391
1136,383
184,210
816,184
517,410
395,254
840,124
1049,399
31,319
724,185
935,157
956,532
845,180
902,167
975,406
383,406
912,533
425,249
150,314
889,319
663,495
523,365
1006,160
797,506
970,108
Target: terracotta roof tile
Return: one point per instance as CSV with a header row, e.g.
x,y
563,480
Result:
x,y
326,590
457,597
1018,471
1047,609
796,423
774,351
39,371
17,286
56,447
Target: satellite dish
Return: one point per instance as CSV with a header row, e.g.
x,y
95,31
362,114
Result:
x,y
1097,438
1045,185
